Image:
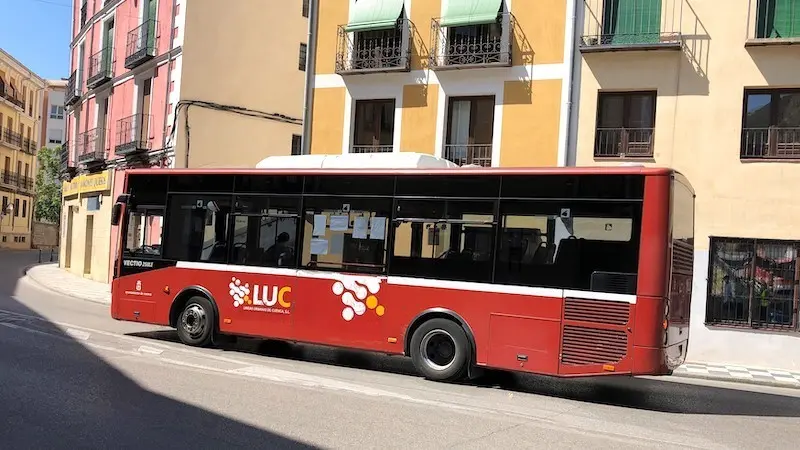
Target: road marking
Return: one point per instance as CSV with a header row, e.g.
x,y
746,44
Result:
x,y
150,350
78,334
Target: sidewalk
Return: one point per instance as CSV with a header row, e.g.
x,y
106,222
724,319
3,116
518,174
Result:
x,y
51,277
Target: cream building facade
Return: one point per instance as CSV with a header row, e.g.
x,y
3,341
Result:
x,y
713,92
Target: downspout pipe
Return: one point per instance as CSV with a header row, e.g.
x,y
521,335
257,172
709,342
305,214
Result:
x,y
311,59
567,156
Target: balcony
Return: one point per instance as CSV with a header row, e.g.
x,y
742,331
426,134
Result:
x,y
29,146
73,92
771,143
9,95
9,179
631,25
90,149
132,135
776,22
99,68
25,183
372,149
469,154
12,138
141,44
374,51
623,142
461,44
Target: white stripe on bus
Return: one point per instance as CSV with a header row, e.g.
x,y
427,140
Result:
x,y
417,282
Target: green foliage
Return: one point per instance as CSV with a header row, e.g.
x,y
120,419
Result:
x,y
48,185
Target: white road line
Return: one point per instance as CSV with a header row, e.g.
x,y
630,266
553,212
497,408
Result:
x,y
150,350
78,334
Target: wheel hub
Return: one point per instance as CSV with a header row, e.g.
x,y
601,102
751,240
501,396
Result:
x,y
193,320
438,350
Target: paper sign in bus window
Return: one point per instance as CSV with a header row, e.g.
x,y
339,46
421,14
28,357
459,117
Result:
x,y
320,222
360,228
378,228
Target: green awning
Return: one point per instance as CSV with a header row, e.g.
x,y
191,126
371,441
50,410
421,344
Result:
x,y
470,12
374,14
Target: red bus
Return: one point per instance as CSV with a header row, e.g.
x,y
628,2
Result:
x,y
556,271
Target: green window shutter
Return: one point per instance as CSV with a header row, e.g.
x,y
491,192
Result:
x,y
778,19
150,18
470,12
632,21
374,15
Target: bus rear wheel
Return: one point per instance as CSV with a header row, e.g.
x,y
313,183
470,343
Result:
x,y
196,322
440,350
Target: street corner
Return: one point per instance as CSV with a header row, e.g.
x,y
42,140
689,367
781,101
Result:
x,y
60,281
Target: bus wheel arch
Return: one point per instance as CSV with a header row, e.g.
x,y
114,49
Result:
x,y
449,323
200,302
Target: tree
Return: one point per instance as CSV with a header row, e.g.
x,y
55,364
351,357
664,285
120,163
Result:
x,y
48,186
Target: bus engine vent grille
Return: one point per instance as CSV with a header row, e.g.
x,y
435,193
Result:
x,y
596,311
584,346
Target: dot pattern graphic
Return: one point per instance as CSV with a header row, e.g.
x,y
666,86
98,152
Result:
x,y
239,292
358,295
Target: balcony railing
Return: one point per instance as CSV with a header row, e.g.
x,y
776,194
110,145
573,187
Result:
x,y
99,68
374,51
473,154
769,143
29,146
12,138
73,92
8,94
469,46
13,179
775,22
141,44
631,25
623,142
90,150
131,137
372,149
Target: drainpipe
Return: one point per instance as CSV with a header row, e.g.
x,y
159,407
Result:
x,y
567,156
308,94
169,80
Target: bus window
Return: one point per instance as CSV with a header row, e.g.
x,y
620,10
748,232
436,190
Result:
x,y
197,227
569,245
143,238
346,234
265,231
452,240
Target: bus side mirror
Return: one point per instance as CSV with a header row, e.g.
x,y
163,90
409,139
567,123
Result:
x,y
116,213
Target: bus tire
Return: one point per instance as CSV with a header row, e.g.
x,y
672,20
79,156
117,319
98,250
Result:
x,y
440,350
195,323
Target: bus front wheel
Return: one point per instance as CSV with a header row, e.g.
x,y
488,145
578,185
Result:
x,y
196,322
440,350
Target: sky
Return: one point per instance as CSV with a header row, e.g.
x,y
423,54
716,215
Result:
x,y
36,33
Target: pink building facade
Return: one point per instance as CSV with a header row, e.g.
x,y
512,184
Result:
x,y
121,99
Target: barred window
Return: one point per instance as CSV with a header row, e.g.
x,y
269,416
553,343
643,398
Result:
x,y
752,283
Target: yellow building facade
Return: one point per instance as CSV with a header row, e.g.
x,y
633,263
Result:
x,y
20,120
714,92
482,82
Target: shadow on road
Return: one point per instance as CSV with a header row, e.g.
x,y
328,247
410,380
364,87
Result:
x,y
626,392
56,393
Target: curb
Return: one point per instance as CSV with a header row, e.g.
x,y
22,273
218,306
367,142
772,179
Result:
x,y
65,294
752,381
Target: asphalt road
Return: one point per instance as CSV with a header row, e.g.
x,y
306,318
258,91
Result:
x,y
71,377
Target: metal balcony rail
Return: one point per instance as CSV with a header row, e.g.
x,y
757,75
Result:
x,y
772,142
73,92
9,178
775,21
472,45
372,149
131,135
99,67
90,149
623,142
374,51
631,24
12,138
28,146
25,183
141,44
463,154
